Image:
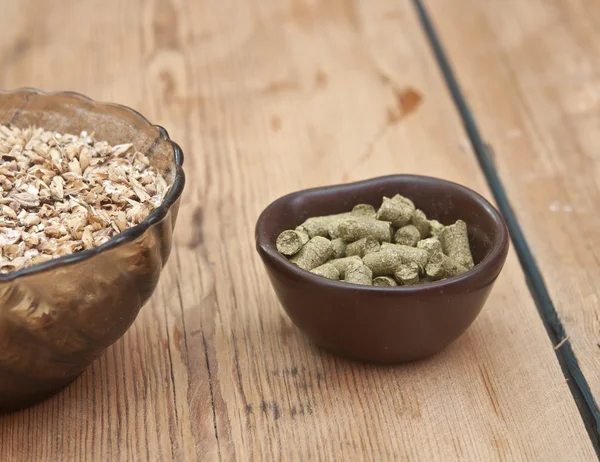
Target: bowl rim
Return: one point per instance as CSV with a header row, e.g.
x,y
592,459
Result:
x,y
493,259
130,234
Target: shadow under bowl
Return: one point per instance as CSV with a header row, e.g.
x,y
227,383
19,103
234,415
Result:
x,y
385,324
59,316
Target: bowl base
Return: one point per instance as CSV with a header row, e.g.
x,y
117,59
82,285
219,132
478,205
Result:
x,y
8,406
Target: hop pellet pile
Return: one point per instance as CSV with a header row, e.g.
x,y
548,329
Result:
x,y
62,193
395,245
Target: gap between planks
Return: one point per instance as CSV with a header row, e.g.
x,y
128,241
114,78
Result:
x,y
586,404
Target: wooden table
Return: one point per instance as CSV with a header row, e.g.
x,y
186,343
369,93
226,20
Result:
x,y
274,96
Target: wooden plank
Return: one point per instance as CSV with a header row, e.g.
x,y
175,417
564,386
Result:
x,y
266,98
531,73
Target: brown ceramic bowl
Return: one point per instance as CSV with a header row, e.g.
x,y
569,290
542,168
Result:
x,y
57,317
385,324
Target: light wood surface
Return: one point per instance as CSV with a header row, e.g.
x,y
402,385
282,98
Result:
x,y
531,73
267,98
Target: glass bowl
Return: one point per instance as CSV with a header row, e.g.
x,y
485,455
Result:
x,y
59,316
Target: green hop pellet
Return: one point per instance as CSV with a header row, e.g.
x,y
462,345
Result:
x,y
362,247
455,244
321,226
342,264
328,270
359,274
289,242
391,256
384,281
364,210
355,228
398,210
420,221
315,252
407,235
441,266
339,248
408,254
436,228
431,245
407,274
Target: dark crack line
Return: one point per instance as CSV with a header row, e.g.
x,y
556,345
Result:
x,y
212,395
587,405
172,376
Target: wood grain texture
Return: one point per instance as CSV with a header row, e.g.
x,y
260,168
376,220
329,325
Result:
x,y
266,98
531,73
